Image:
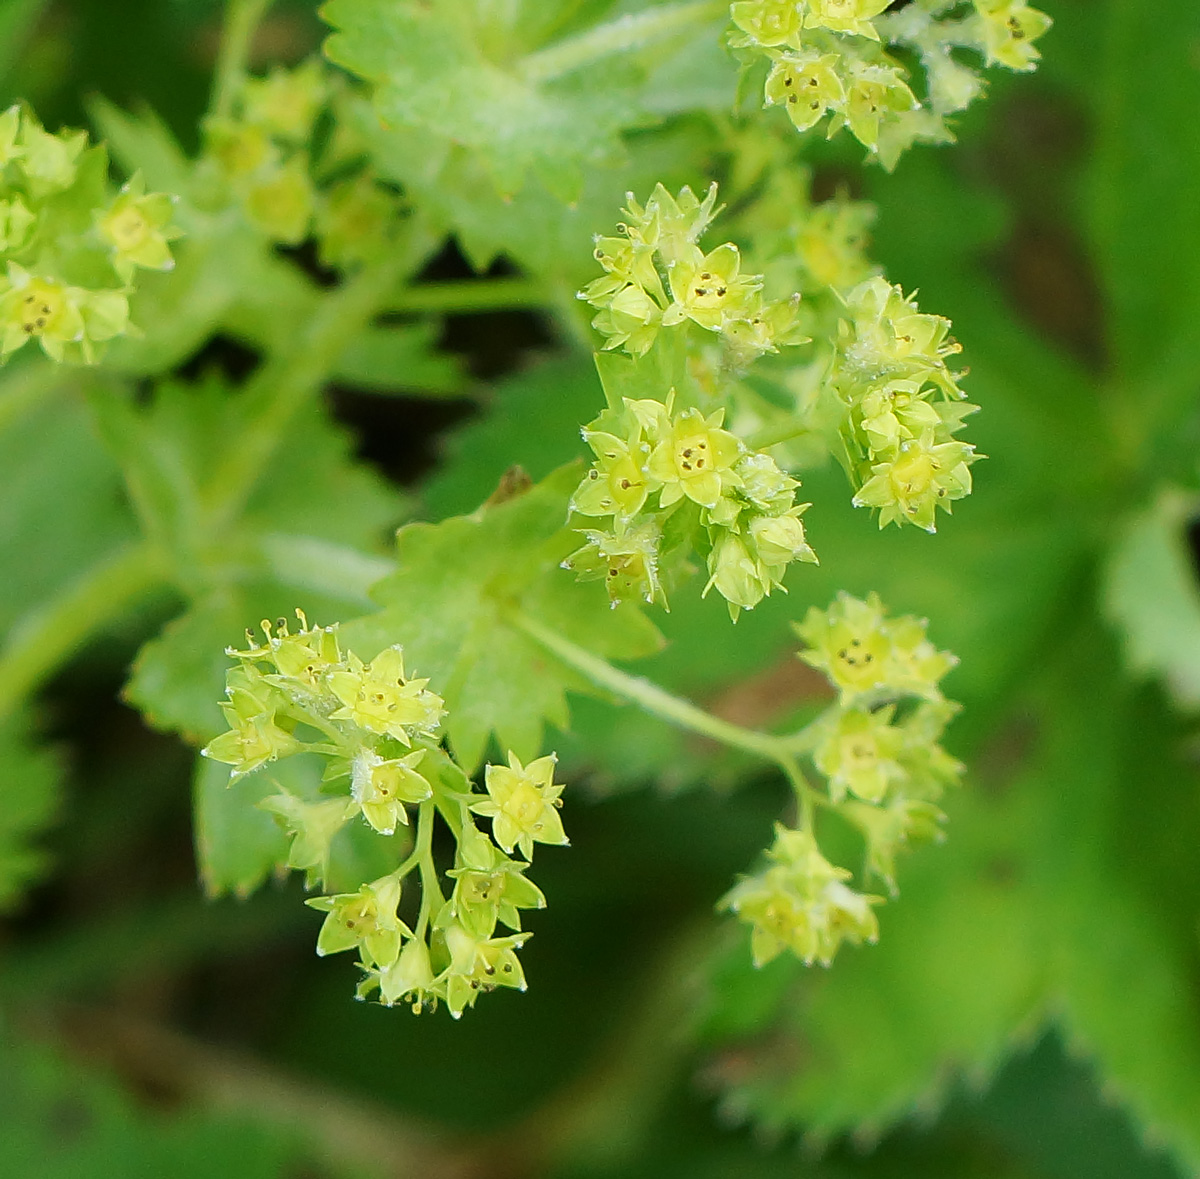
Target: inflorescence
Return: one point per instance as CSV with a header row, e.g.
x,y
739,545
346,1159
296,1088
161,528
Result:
x,y
378,731
69,244
827,58
878,749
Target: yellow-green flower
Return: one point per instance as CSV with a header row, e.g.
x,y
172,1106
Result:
x,y
352,222
801,903
831,243
50,162
523,804
849,642
137,229
382,787
924,474
240,149
39,308
710,288
806,86
767,22
364,919
845,16
903,822
377,697
410,978
630,319
15,223
478,965
1008,29
695,458
285,103
875,94
626,561
483,897
860,754
281,202
616,484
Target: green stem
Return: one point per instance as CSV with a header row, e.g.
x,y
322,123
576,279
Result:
x,y
468,297
53,631
431,891
658,702
241,20
287,380
624,35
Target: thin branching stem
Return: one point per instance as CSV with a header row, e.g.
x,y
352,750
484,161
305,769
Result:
x,y
242,19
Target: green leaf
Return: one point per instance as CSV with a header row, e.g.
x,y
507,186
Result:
x,y
239,846
61,503
29,802
60,1121
532,421
388,359
958,972
142,143
305,539
1125,805
1152,594
1146,232
533,227
452,604
486,79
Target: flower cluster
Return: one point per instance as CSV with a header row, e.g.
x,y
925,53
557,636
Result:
x,y
656,276
69,245
878,749
667,478
827,57
902,407
801,903
263,156
377,730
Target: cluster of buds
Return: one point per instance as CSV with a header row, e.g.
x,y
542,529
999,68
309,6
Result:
x,y
666,478
377,730
657,276
902,407
802,903
827,57
69,245
878,750
263,156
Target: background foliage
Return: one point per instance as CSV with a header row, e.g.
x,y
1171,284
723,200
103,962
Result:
x,y
1032,1010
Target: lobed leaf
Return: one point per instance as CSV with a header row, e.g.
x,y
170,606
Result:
x,y
452,604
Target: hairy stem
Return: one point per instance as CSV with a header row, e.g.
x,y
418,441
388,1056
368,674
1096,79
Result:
x,y
623,35
288,379
431,891
241,20
468,297
53,631
658,702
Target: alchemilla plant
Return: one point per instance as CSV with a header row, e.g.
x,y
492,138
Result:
x,y
727,370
